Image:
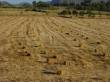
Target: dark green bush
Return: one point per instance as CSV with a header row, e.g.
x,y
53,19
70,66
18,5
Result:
x,y
90,13
64,12
81,13
74,12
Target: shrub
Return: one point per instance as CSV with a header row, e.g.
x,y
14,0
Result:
x,y
99,13
64,12
34,9
90,14
74,12
81,13
69,12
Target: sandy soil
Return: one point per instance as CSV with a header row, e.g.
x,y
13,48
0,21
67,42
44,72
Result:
x,y
54,49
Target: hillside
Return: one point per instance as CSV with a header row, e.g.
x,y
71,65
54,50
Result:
x,y
5,4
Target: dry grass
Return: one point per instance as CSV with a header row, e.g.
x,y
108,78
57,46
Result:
x,y
54,49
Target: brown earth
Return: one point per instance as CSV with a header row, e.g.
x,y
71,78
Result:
x,y
54,49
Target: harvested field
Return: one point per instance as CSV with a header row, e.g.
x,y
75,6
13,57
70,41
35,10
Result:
x,y
54,49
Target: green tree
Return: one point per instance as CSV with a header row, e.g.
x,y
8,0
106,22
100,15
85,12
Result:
x,y
41,4
0,4
108,6
34,3
87,2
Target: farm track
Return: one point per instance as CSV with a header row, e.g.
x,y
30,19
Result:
x,y
54,49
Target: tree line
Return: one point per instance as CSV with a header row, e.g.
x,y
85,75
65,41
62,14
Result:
x,y
89,5
85,5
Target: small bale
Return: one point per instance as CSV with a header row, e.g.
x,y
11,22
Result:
x,y
98,42
52,72
67,33
74,39
42,60
23,47
51,61
42,52
24,53
86,38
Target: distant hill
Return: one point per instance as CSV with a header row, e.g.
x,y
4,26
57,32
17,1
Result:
x,y
49,2
23,4
55,1
5,4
